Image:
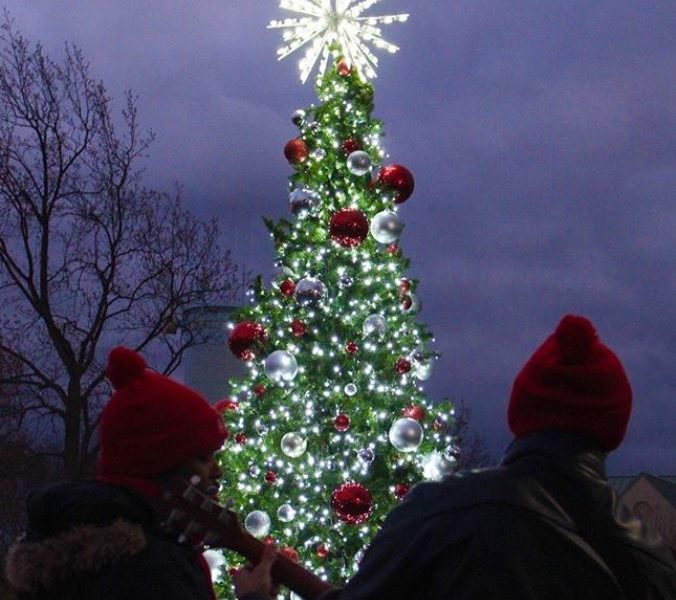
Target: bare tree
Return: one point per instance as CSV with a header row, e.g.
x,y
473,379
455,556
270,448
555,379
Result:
x,y
89,257
472,453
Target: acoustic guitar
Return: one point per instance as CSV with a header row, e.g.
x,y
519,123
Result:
x,y
193,515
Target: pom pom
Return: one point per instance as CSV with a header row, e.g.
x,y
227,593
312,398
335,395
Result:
x,y
576,337
124,365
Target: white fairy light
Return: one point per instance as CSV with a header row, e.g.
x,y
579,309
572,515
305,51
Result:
x,y
325,22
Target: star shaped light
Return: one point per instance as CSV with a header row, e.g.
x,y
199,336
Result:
x,y
334,21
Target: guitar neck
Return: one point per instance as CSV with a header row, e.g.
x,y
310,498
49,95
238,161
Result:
x,y
284,570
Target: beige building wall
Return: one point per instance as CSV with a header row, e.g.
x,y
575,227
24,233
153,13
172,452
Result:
x,y
646,503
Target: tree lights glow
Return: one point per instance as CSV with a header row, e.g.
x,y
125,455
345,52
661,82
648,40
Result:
x,y
328,22
332,426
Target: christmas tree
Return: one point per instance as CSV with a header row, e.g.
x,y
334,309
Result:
x,y
330,427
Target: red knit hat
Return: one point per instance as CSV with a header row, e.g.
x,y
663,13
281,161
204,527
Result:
x,y
575,383
151,424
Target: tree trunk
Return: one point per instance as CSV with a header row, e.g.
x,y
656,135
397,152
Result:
x,y
71,445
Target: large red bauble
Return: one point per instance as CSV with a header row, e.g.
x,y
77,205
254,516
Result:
x,y
413,411
350,145
244,336
401,489
349,227
298,328
341,422
287,287
402,366
398,179
352,503
296,151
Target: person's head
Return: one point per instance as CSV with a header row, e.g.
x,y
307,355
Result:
x,y
153,426
572,383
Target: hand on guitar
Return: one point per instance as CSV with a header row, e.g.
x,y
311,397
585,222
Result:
x,y
257,579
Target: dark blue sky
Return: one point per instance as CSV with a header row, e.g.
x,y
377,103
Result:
x,y
543,139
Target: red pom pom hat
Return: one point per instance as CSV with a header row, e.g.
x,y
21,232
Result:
x,y
151,424
575,383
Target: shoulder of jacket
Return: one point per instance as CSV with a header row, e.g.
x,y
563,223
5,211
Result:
x,y
49,563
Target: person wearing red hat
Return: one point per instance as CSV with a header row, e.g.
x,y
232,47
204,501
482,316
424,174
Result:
x,y
542,525
102,540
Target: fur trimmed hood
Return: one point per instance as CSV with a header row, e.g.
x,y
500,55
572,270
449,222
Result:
x,y
51,563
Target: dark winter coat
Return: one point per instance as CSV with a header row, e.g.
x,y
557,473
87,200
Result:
x,y
94,541
539,527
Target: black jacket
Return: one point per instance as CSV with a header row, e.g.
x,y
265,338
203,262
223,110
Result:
x,y
94,541
539,527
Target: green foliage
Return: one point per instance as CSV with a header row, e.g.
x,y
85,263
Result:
x,y
311,401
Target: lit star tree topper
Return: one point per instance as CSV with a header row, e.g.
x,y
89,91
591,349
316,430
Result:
x,y
328,22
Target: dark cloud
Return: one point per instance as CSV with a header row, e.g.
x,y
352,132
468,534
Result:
x,y
541,136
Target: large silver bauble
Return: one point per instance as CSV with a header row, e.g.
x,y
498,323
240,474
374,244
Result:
x,y
359,162
281,366
374,325
303,201
298,117
309,291
406,435
257,523
286,513
386,227
350,389
436,466
293,444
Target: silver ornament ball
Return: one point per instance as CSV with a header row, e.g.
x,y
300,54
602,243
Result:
x,y
359,162
366,455
318,154
374,325
309,291
286,513
257,523
415,305
386,227
303,201
406,435
281,366
345,281
293,444
298,117
350,389
436,466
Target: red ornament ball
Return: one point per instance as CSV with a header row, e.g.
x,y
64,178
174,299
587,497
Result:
x,y
349,227
268,540
322,551
240,438
259,390
296,151
341,422
343,67
352,503
270,477
404,285
406,302
401,489
298,328
402,366
244,336
226,404
290,553
287,287
351,348
393,249
413,411
350,145
397,179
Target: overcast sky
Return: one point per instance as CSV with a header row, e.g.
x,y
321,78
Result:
x,y
542,135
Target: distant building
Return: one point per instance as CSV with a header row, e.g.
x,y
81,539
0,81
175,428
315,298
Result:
x,y
651,499
209,365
